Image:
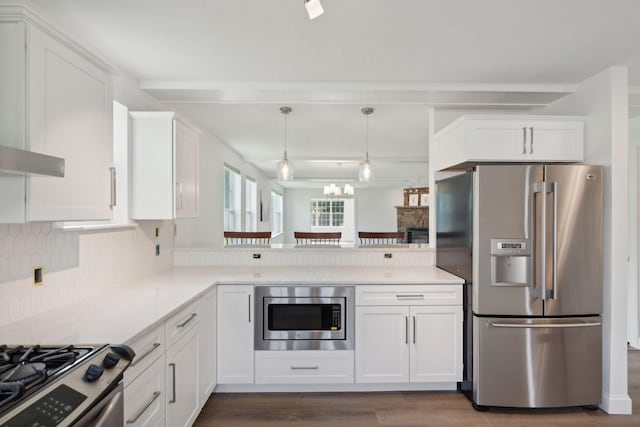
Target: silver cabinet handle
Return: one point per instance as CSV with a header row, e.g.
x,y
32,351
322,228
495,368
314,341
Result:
x,y
406,297
148,352
414,329
173,379
178,196
144,409
524,140
182,325
531,141
542,325
112,171
249,308
309,368
406,329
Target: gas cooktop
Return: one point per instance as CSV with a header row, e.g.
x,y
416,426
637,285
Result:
x,y
57,385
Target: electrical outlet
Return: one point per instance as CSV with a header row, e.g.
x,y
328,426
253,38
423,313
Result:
x,y
38,279
157,231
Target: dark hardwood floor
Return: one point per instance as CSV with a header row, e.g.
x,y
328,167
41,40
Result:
x,y
396,409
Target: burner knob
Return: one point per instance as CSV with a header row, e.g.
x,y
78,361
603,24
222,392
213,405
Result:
x,y
93,373
110,360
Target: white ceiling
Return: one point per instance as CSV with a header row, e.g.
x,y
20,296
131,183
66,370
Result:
x,y
230,64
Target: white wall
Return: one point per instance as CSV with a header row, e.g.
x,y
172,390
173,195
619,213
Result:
x,y
603,100
374,210
207,229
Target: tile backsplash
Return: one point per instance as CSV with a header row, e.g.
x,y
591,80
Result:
x,y
25,246
76,264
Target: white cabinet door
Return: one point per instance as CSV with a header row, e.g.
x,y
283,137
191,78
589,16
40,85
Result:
x,y
144,398
496,140
235,334
555,140
208,346
70,107
382,344
187,146
182,380
436,344
165,177
152,165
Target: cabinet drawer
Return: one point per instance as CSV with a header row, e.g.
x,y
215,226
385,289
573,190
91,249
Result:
x,y
181,322
304,367
409,295
144,398
148,348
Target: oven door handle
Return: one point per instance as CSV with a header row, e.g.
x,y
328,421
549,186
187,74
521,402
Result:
x,y
106,417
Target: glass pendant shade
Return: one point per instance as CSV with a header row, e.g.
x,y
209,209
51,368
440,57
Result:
x,y
365,173
285,171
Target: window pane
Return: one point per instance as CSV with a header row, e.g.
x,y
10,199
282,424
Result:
x,y
232,218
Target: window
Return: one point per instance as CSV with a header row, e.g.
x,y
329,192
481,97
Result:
x,y
251,197
327,213
231,199
276,213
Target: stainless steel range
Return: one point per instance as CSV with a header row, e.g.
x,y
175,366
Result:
x,y
62,386
304,318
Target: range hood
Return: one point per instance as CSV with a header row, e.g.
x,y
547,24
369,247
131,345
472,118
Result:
x,y
15,160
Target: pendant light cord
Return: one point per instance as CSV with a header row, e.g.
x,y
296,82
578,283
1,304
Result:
x,y
285,136
366,148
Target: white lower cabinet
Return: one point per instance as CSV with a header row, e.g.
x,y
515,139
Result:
x,y
235,334
207,346
145,398
173,372
304,367
398,344
382,344
436,344
182,380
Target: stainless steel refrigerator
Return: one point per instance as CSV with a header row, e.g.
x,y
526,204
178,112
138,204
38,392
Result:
x,y
528,241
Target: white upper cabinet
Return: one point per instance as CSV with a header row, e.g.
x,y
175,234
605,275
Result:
x,y
478,139
56,100
164,178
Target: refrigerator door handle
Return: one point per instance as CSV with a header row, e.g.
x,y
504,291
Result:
x,y
539,292
553,188
542,325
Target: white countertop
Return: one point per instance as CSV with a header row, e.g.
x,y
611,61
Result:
x,y
123,312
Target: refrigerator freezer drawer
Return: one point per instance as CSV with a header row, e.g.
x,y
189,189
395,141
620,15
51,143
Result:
x,y
537,363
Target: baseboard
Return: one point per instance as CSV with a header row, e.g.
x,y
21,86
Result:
x,y
619,404
298,388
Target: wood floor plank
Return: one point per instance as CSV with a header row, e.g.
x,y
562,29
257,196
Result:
x,y
402,409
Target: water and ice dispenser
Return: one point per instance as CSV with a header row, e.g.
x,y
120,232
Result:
x,y
510,262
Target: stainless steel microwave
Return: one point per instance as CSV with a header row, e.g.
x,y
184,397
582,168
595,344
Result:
x,y
304,318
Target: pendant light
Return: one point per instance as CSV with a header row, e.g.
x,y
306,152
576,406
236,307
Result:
x,y
285,171
365,173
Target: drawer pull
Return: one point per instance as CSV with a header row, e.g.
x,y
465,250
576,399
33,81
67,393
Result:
x,y
542,325
183,324
406,329
138,360
310,368
173,380
404,297
414,329
156,394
